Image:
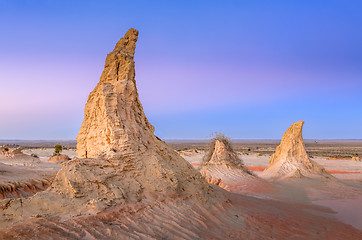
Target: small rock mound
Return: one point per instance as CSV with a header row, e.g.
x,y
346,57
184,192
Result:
x,y
59,158
221,153
223,167
15,156
188,152
290,159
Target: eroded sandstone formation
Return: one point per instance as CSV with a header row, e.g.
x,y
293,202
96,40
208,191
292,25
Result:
x,y
10,152
290,159
120,161
221,153
114,120
223,167
15,156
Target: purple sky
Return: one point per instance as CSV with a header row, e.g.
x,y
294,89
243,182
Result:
x,y
245,68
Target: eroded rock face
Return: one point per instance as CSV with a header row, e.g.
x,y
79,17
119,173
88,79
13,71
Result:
x,y
116,128
120,160
221,153
290,159
114,119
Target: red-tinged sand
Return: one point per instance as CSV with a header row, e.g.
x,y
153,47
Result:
x,y
346,159
339,171
262,168
241,218
256,168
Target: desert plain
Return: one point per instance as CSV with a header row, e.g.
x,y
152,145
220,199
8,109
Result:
x,y
340,202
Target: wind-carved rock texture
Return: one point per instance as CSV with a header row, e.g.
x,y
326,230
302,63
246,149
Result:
x,y
120,160
115,128
18,182
114,119
291,160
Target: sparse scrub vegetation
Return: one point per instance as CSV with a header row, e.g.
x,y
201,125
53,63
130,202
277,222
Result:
x,y
232,158
58,149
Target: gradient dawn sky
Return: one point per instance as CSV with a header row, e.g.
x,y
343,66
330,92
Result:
x,y
248,69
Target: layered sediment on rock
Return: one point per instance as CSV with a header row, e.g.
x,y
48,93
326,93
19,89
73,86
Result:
x,y
291,160
114,120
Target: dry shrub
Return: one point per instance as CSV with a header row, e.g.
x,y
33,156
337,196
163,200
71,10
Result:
x,y
232,160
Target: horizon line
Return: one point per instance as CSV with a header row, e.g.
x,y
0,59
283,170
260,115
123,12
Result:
x,y
187,139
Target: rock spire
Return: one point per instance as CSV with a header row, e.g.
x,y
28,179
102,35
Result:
x,y
291,159
120,160
114,120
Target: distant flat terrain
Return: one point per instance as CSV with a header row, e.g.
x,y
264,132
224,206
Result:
x,y
322,148
339,149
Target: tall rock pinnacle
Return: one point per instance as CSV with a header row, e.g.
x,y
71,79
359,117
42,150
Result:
x,y
120,160
290,158
114,119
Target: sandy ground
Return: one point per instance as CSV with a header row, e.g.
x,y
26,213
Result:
x,y
45,153
337,200
342,197
24,175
